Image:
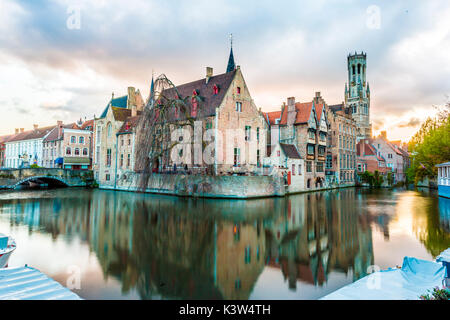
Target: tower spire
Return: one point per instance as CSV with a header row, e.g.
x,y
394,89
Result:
x,y
231,66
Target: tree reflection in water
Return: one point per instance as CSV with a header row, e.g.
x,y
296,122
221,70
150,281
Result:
x,y
182,248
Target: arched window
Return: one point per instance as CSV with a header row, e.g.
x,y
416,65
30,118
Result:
x,y
109,130
85,151
359,68
81,140
77,151
353,69
68,150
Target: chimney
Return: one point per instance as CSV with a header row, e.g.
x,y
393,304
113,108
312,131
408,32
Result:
x,y
291,111
16,130
133,111
209,73
131,97
22,129
59,124
35,126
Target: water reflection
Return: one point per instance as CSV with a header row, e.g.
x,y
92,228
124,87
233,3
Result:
x,y
152,247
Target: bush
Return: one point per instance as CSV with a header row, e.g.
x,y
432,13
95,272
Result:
x,y
33,166
437,294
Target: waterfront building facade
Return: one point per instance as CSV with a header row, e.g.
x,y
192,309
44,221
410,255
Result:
x,y
105,138
227,110
357,94
341,150
368,159
285,161
396,158
126,138
305,125
69,146
25,148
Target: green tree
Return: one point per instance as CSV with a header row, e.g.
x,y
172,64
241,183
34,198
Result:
x,y
430,146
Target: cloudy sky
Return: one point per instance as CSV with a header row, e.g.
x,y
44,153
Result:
x,y
55,66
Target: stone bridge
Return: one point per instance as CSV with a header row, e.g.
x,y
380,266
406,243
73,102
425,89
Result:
x,y
54,177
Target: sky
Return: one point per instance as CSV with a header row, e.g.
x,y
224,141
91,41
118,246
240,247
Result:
x,y
62,59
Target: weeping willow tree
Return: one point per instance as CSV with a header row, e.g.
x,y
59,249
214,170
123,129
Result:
x,y
166,110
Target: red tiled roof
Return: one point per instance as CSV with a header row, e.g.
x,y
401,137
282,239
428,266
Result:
x,y
272,116
88,123
303,109
319,109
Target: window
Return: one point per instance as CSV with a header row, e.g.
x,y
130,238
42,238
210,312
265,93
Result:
x,y
129,141
128,160
77,151
390,156
97,155
121,160
293,169
308,166
85,151
359,167
208,124
322,136
257,134
258,159
321,150
247,133
108,177
239,106
299,169
73,139
310,149
278,153
108,157
329,163
81,140
311,134
68,151
237,157
319,167
109,130
247,255
238,90
216,89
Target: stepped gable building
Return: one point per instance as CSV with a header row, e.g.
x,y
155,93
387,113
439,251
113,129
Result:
x,y
222,103
105,136
341,150
306,126
357,94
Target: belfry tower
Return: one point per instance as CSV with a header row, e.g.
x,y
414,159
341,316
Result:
x,y
357,94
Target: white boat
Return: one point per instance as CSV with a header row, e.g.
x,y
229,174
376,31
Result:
x,y
7,246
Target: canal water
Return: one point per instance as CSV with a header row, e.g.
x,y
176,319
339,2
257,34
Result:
x,y
122,245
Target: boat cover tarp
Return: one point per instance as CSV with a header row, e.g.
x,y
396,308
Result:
x,y
27,283
415,278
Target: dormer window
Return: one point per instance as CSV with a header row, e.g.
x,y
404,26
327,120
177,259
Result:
x,y
238,90
216,89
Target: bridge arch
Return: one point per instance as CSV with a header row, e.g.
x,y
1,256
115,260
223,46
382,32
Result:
x,y
50,180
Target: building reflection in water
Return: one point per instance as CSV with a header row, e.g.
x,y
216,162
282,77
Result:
x,y
176,248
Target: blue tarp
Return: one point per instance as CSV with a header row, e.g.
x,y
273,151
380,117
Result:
x,y
59,160
415,278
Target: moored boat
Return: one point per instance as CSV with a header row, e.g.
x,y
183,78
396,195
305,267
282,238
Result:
x,y
443,180
7,246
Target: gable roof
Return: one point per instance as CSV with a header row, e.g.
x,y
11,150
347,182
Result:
x,y
290,151
319,109
209,101
272,116
366,149
31,134
303,110
120,102
87,123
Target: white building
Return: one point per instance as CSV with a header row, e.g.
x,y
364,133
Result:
x,y
285,161
25,147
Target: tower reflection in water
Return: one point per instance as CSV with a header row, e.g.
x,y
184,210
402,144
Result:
x,y
181,248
